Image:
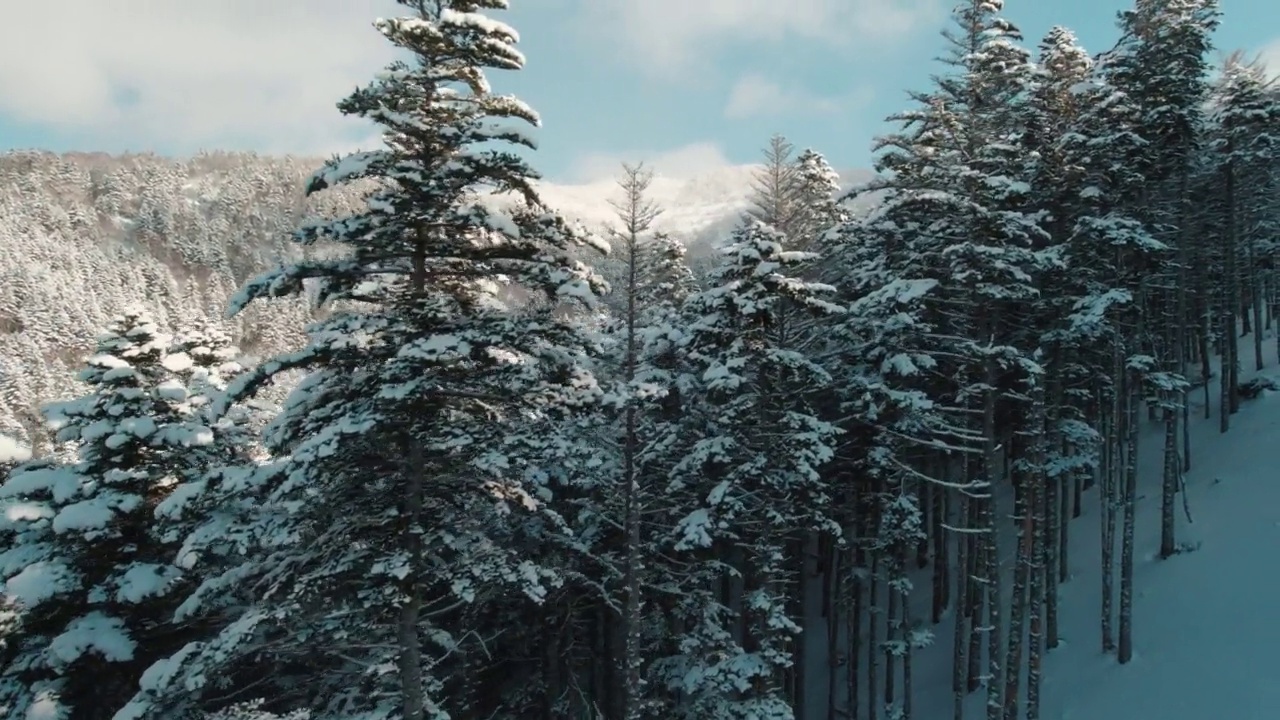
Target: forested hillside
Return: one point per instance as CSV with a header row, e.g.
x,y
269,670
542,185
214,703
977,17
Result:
x,y
84,237
521,472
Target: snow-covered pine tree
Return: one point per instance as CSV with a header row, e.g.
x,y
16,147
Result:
x,y
1060,181
818,206
94,583
1115,255
209,512
1242,150
959,213
404,455
751,481
1162,65
636,214
666,280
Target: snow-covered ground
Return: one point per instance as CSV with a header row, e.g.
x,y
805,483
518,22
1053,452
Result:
x,y
1205,628
13,452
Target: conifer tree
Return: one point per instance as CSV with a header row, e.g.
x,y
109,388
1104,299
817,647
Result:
x,y
94,582
407,450
752,478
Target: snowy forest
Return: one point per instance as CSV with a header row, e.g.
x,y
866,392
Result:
x,y
395,439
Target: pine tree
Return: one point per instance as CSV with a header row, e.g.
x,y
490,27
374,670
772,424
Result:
x,y
1242,151
1060,181
818,208
407,453
94,582
752,478
636,215
958,222
774,190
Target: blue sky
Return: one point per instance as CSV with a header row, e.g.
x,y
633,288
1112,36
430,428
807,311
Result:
x,y
683,84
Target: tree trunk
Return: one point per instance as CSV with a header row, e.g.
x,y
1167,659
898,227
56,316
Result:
x,y
941,566
1051,517
959,655
1172,474
873,650
1206,370
1130,499
412,686
1040,512
833,611
1018,604
801,640
925,502
892,633
1230,352
977,595
992,575
1119,422
854,618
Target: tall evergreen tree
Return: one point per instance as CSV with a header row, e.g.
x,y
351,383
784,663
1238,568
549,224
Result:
x,y
408,448
752,480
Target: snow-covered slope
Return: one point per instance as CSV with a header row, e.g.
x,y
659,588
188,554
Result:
x,y
1205,633
699,209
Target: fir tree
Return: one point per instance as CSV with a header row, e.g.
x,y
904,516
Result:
x,y
94,581
406,450
755,476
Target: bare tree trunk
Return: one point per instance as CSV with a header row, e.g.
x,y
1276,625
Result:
x,y
1177,364
1206,370
1172,474
892,634
1018,605
1130,499
832,614
801,640
925,502
873,659
903,590
1224,382
906,661
1120,421
854,618
1042,512
992,575
941,565
977,594
1049,561
412,685
1185,327
960,639
1231,345
1256,295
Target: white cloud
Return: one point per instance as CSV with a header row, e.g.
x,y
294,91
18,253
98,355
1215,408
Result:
x,y
671,37
261,74
683,162
1271,57
755,95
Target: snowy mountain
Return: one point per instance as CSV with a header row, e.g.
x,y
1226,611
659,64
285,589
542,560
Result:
x,y
699,210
